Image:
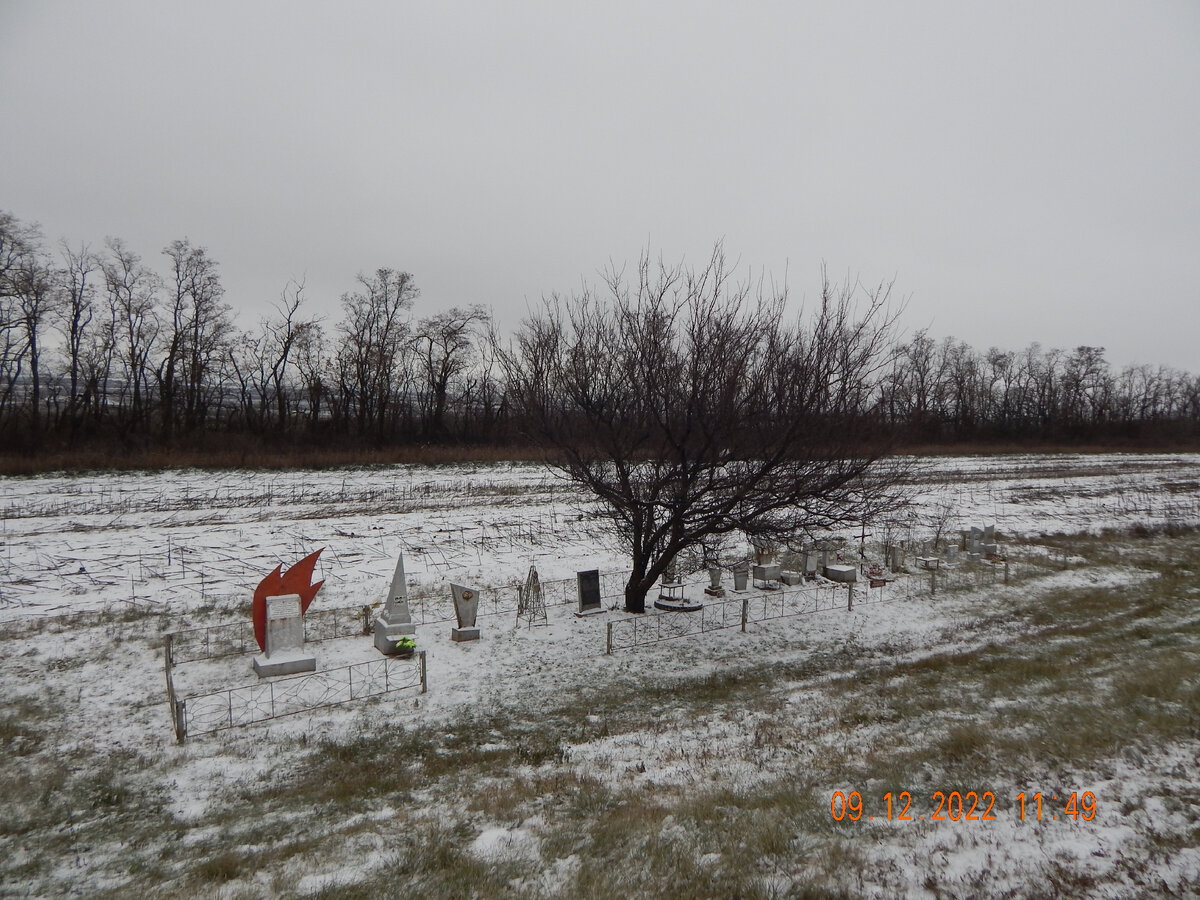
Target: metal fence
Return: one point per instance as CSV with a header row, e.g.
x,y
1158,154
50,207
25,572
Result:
x,y
625,634
560,592
234,707
211,641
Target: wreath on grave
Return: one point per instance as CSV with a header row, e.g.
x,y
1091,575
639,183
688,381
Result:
x,y
405,645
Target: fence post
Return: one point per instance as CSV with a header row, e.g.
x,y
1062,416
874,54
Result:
x,y
179,714
850,597
745,611
366,611
608,647
424,674
176,707
933,583
1006,571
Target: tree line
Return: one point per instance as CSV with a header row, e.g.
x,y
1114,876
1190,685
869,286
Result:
x,y
102,346
940,392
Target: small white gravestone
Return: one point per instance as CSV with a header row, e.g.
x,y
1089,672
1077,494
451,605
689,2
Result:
x,y
466,608
395,620
284,653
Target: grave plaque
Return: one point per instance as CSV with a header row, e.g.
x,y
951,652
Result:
x,y
395,620
466,608
587,585
284,652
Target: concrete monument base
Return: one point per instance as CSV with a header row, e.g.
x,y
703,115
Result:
x,y
386,634
677,605
284,663
464,634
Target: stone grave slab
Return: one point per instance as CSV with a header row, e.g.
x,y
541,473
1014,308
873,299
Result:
x,y
841,572
767,577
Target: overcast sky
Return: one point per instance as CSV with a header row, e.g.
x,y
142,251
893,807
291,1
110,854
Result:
x,y
1024,171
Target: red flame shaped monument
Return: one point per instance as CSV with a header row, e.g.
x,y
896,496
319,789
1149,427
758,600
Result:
x,y
296,580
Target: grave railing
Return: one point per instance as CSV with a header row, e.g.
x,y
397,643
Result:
x,y
215,711
504,601
232,638
635,631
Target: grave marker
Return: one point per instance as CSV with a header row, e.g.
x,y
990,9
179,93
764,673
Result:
x,y
277,612
714,588
395,620
284,652
587,585
741,576
531,603
466,608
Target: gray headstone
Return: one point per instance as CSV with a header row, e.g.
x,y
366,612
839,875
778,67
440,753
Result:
x,y
587,586
395,620
714,588
466,608
284,652
741,575
989,534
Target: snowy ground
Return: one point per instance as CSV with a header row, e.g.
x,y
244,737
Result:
x,y
106,801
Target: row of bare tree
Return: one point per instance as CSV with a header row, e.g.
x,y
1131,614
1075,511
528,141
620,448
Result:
x,y
948,391
99,344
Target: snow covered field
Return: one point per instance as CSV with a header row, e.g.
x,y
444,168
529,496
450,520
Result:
x,y
184,539
532,745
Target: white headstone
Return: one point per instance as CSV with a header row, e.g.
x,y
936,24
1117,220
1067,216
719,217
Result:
x,y
284,652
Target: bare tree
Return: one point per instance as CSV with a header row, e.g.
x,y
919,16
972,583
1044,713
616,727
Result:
x,y
76,314
132,293
371,353
265,360
444,344
689,408
195,339
32,289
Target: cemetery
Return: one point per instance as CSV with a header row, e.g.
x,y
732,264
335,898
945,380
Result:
x,y
466,643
